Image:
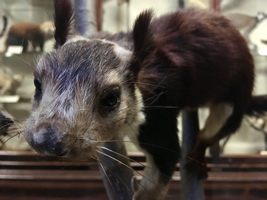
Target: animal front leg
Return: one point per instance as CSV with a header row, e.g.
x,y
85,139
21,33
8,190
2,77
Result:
x,y
153,184
159,140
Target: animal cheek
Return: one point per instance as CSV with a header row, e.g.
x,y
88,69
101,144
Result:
x,y
35,104
97,132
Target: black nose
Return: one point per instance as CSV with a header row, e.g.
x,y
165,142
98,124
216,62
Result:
x,y
48,141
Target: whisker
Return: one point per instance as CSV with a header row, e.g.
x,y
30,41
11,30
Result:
x,y
143,143
28,64
133,161
106,176
8,140
11,118
100,152
4,126
116,176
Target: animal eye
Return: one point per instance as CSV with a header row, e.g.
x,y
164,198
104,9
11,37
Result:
x,y
111,99
37,84
38,90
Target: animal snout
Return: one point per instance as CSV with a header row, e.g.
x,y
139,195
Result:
x,y
49,141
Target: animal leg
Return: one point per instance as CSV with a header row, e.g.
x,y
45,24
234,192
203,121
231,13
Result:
x,y
159,140
6,46
41,44
24,45
217,120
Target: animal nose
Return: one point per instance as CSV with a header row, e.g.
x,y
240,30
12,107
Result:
x,y
48,141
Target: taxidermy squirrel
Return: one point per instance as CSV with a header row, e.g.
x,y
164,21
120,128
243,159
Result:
x,y
90,89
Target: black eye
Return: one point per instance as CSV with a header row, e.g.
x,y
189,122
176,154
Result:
x,y
111,99
37,84
38,90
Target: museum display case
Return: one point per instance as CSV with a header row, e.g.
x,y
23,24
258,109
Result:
x,y
237,164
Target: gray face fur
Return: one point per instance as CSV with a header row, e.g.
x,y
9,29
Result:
x,y
82,99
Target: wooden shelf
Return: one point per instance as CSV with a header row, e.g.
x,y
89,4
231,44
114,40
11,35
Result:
x,y
27,175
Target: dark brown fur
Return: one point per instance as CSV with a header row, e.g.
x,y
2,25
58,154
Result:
x,y
194,59
198,62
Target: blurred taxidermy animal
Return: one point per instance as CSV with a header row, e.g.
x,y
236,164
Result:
x,y
5,122
9,82
4,25
9,126
23,33
246,24
264,41
89,90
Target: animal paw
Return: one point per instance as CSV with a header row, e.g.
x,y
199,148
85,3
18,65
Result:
x,y
150,192
196,165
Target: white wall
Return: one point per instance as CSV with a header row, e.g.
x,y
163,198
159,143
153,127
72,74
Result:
x,y
136,7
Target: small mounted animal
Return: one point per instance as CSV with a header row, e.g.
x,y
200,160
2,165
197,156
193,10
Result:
x,y
21,34
90,89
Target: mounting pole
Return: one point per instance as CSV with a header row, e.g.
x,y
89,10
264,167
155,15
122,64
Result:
x,y
118,174
84,17
117,177
181,4
191,186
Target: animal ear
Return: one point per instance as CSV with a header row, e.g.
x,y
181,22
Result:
x,y
62,21
141,30
142,38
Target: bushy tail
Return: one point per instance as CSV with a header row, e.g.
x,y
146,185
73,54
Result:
x,y
258,105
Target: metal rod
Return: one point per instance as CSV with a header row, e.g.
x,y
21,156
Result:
x,y
85,21
181,3
117,173
191,186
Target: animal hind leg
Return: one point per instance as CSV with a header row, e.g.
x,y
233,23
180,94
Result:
x,y
220,118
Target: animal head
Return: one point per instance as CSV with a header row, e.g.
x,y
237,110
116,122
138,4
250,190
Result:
x,y
85,91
